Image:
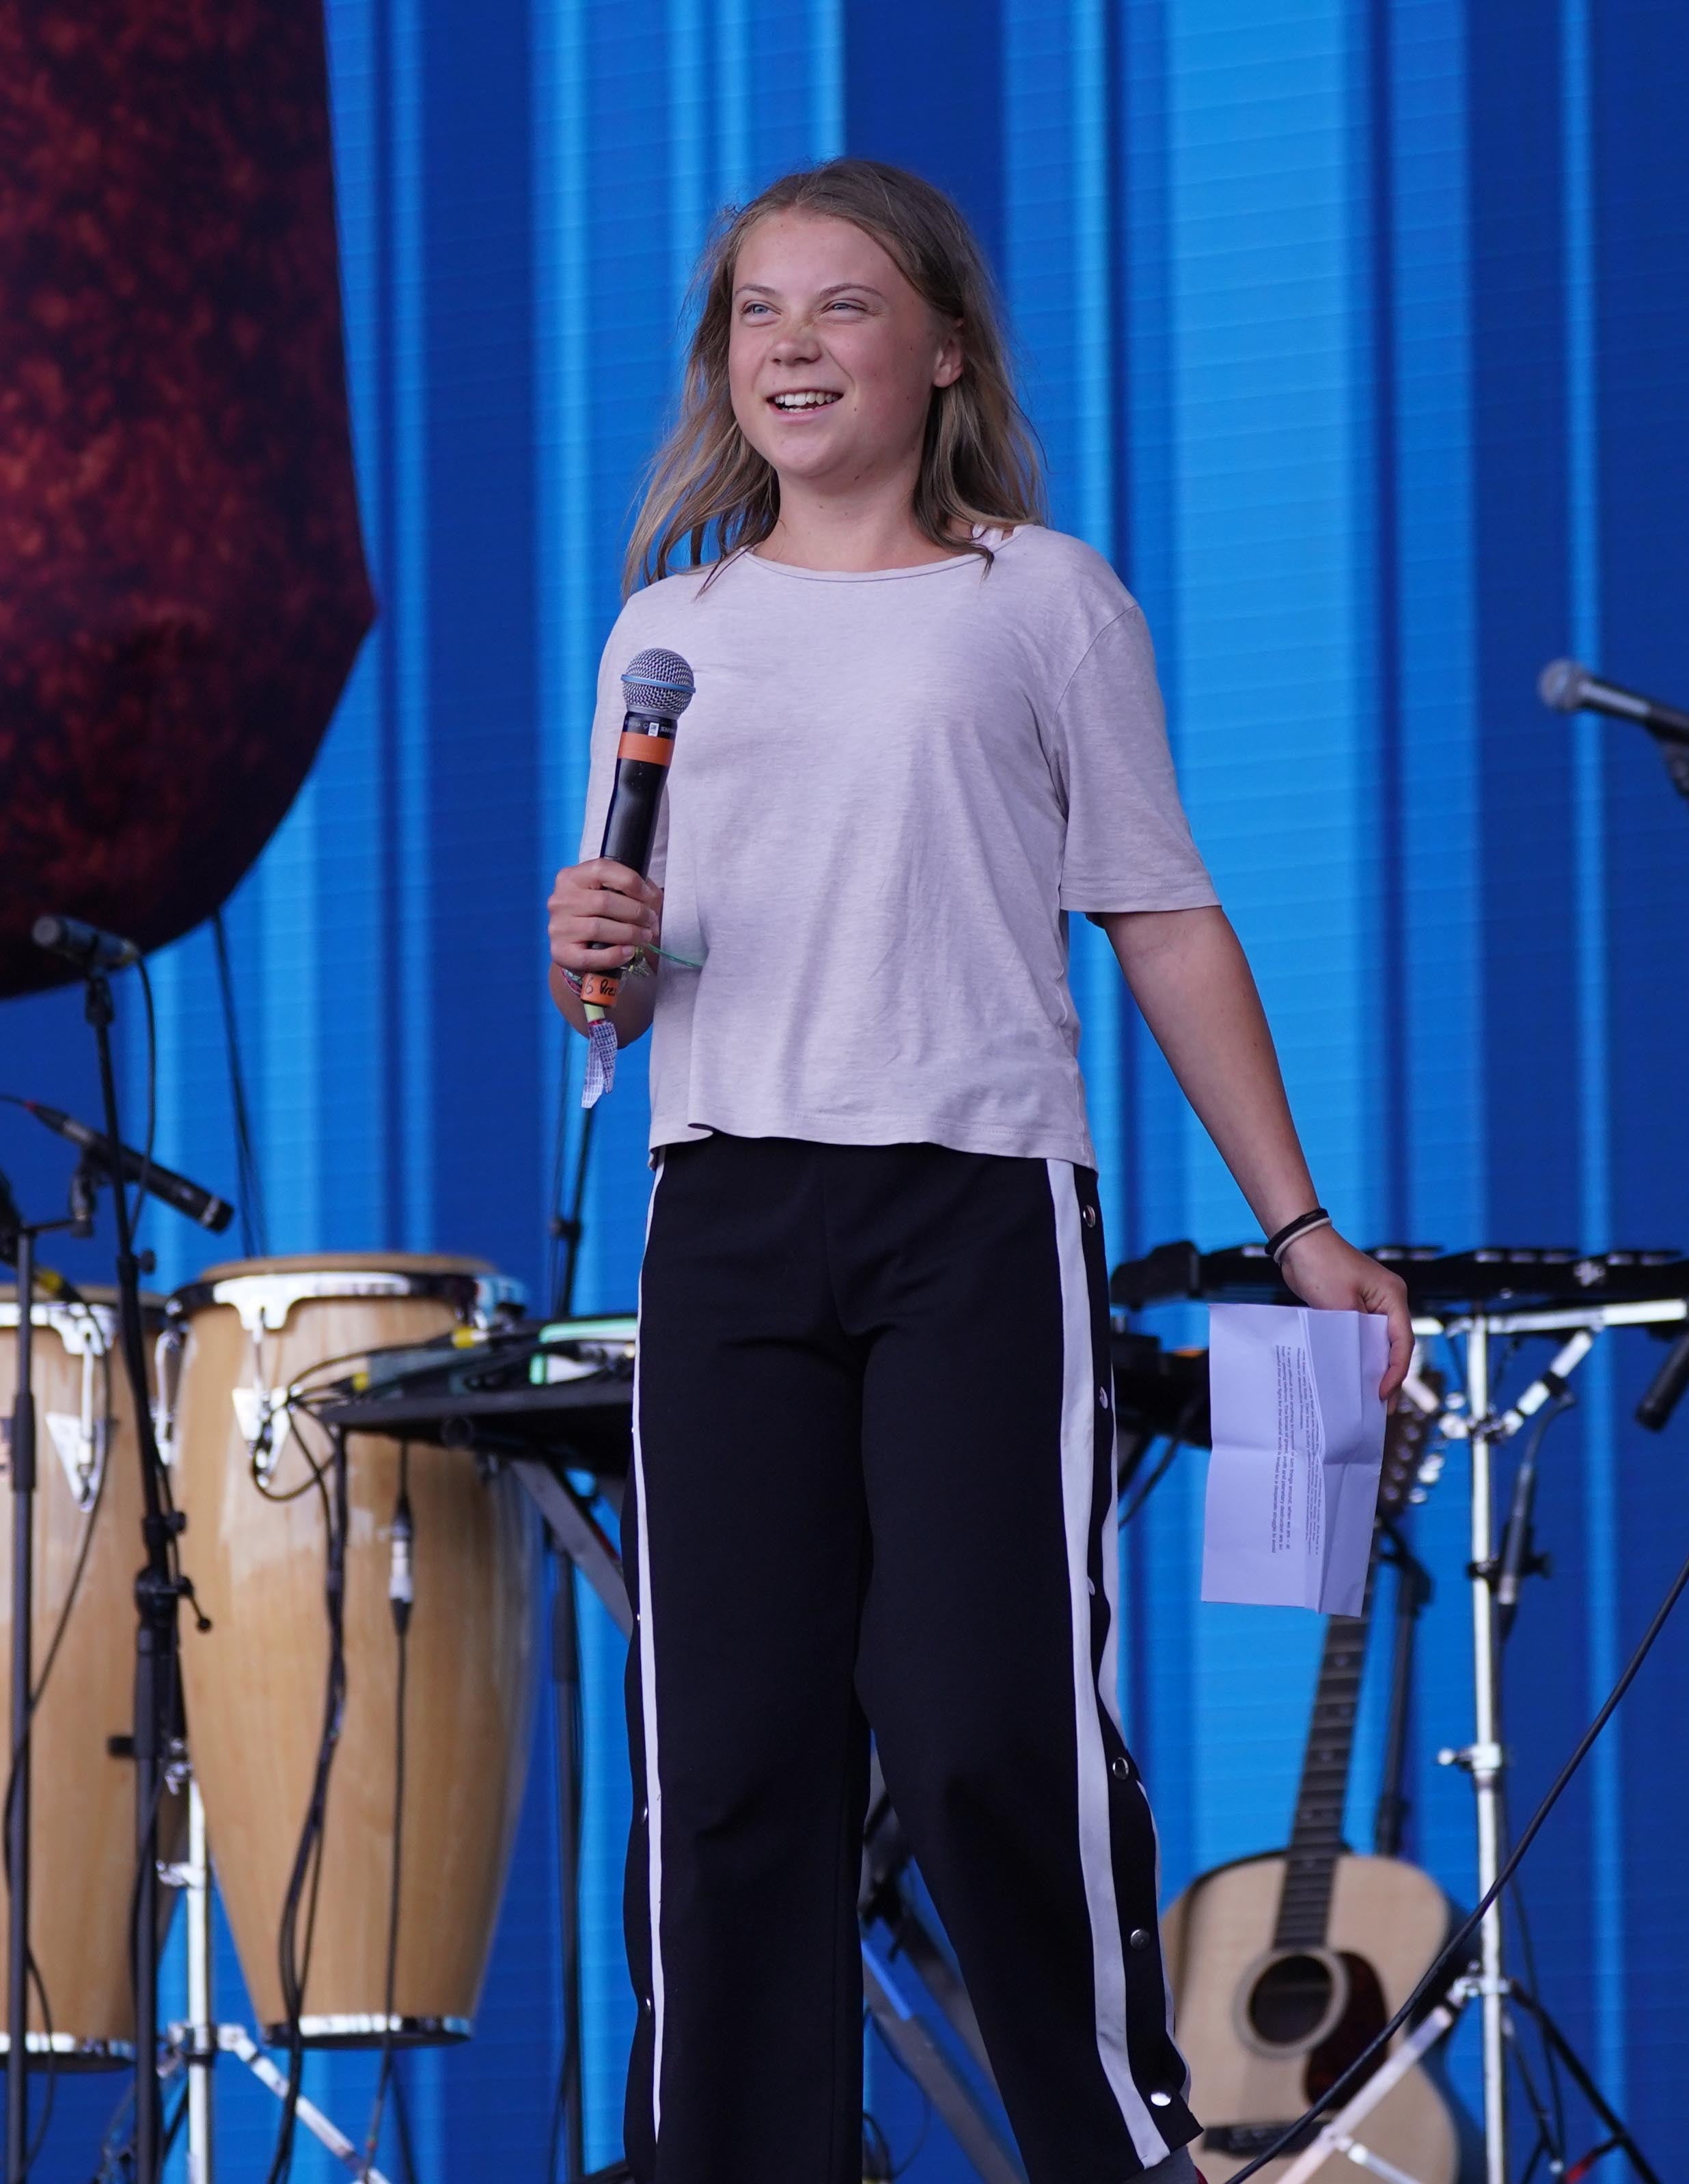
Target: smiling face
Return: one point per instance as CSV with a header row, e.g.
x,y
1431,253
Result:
x,y
832,353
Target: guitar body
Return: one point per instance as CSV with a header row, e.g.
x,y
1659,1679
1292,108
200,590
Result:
x,y
1265,2031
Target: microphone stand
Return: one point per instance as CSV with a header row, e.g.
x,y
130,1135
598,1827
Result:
x,y
18,1815
23,1674
157,1589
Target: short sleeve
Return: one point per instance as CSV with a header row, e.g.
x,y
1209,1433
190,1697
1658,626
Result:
x,y
608,712
1128,843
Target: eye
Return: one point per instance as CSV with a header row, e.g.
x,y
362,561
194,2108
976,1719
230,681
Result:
x,y
750,304
846,303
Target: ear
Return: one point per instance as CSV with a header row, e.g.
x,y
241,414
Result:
x,y
951,359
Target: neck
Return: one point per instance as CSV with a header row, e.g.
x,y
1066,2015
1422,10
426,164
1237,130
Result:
x,y
863,525
1316,1837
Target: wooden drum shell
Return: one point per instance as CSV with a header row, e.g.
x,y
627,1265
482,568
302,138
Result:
x,y
82,1797
255,1684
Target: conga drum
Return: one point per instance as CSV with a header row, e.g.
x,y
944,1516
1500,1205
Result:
x,y
88,1549
257,1545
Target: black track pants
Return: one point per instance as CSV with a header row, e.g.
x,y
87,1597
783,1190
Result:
x,y
874,1484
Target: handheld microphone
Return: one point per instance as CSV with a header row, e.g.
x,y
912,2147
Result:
x,y
1566,686
84,945
658,686
191,1199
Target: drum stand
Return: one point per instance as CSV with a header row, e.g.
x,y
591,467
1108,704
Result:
x,y
1485,1759
157,1587
196,2045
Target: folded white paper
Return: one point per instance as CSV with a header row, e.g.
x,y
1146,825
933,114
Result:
x,y
1298,1443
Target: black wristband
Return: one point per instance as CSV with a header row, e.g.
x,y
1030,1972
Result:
x,y
1315,1217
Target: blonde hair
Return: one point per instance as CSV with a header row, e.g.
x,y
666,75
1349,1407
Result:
x,y
979,463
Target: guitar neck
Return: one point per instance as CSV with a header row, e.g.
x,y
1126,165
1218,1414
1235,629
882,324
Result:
x,y
1316,1837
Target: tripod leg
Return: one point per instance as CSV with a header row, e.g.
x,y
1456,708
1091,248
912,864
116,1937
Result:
x,y
1586,2085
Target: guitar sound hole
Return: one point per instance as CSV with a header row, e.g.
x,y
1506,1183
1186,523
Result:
x,y
1291,1997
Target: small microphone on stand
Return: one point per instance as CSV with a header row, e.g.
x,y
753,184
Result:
x,y
1665,1389
84,945
1566,686
188,1198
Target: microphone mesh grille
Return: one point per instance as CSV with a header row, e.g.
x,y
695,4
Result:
x,y
658,684
1560,686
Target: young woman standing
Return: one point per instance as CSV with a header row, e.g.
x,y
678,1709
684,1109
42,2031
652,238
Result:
x,y
873,1480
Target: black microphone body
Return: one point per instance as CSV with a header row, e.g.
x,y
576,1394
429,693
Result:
x,y
84,945
191,1199
1665,1391
1566,686
631,822
658,685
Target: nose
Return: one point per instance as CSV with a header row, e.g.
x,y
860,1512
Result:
x,y
798,344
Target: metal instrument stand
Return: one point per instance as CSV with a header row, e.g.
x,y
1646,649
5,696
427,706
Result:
x,y
23,1453
17,1817
196,2045
1482,1426
157,1589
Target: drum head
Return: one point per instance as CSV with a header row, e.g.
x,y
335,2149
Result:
x,y
337,1263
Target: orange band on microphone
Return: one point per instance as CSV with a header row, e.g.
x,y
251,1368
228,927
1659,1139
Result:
x,y
601,987
654,750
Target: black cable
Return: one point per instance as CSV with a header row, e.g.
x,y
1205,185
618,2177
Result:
x,y
401,2116
576,1218
173,2128
557,1225
308,1857
569,2063
877,2163
51,2074
22,1742
1448,1957
113,2164
1556,2137
255,1221
1515,1560
400,1598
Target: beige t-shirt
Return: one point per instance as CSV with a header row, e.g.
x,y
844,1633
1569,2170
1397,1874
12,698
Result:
x,y
886,792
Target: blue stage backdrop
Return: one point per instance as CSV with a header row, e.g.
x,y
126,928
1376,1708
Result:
x,y
1354,331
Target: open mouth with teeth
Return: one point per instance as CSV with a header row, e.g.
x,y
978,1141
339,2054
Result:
x,y
804,398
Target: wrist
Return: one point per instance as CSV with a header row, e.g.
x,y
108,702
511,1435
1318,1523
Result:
x,y
1311,1221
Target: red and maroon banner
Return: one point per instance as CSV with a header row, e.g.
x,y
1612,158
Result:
x,y
182,589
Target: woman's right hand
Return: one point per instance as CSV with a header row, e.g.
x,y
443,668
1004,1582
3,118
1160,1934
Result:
x,y
600,912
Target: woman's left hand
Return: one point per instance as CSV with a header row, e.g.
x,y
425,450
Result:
x,y
1324,1270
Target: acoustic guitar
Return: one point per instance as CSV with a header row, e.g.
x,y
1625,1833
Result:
x,y
1284,1966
